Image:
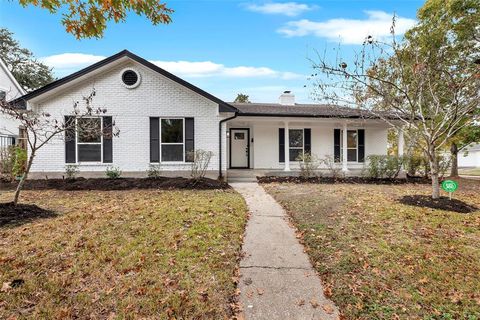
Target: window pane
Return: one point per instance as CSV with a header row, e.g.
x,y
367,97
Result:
x,y
295,153
172,152
351,139
89,152
296,138
172,130
352,155
239,136
89,130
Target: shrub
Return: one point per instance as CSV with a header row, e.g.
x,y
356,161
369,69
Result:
x,y
412,164
393,166
7,161
113,172
154,171
420,165
201,160
20,164
383,166
334,169
308,165
375,166
71,171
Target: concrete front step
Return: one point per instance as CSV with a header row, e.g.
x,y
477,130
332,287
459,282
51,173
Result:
x,y
241,179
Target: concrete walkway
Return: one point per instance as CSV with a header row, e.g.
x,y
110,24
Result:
x,y
277,280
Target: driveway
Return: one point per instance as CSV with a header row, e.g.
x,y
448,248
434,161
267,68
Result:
x,y
277,279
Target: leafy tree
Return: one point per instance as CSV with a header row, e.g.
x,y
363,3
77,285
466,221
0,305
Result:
x,y
89,18
41,128
242,98
454,26
29,72
414,84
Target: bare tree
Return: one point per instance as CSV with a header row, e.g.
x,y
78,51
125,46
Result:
x,y
407,85
41,127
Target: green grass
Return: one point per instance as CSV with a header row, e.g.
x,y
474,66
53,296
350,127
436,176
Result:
x,y
470,172
385,260
124,255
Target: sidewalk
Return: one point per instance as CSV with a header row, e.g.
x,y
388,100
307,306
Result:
x,y
277,280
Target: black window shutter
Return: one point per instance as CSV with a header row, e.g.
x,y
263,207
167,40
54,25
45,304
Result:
x,y
281,145
361,145
189,139
307,143
107,139
154,140
336,145
70,137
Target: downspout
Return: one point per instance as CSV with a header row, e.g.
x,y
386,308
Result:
x,y
220,175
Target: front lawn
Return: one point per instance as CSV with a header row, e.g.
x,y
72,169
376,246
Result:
x,y
381,259
122,254
470,172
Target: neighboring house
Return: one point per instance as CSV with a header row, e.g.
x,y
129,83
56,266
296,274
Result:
x,y
469,157
9,89
162,118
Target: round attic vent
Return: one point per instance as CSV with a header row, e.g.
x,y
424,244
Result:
x,y
130,78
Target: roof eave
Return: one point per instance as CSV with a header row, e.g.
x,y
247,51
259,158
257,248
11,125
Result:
x,y
223,106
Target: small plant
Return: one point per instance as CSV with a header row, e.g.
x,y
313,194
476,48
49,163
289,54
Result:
x,y
113,172
7,161
20,164
333,168
412,164
154,171
308,165
383,166
71,171
201,160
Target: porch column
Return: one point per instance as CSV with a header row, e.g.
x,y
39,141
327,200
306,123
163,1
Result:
x,y
287,148
401,143
344,148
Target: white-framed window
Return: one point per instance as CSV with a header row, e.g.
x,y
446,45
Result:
x,y
296,144
172,139
352,145
89,139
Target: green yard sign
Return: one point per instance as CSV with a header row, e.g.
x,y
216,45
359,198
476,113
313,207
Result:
x,y
449,186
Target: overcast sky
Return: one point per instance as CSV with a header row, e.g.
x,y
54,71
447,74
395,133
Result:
x,y
224,47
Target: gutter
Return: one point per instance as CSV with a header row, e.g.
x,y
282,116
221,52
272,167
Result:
x,y
220,175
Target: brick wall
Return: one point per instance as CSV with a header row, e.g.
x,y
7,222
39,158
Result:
x,y
156,96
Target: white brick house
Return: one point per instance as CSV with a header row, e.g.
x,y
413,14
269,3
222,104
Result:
x,y
161,117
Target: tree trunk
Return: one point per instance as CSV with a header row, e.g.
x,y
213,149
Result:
x,y
434,172
454,152
22,180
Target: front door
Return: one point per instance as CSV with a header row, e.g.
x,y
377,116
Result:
x,y
239,148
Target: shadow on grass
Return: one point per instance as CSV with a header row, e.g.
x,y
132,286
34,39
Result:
x,y
14,216
443,203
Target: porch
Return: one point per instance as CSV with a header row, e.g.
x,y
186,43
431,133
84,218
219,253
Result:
x,y
259,146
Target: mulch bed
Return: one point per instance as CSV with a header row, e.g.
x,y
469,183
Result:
x,y
21,213
164,183
352,180
443,203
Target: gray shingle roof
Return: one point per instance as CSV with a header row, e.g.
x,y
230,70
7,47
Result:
x,y
303,110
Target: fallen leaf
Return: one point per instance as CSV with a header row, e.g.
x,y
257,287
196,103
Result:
x,y
260,291
314,303
6,286
328,308
301,302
